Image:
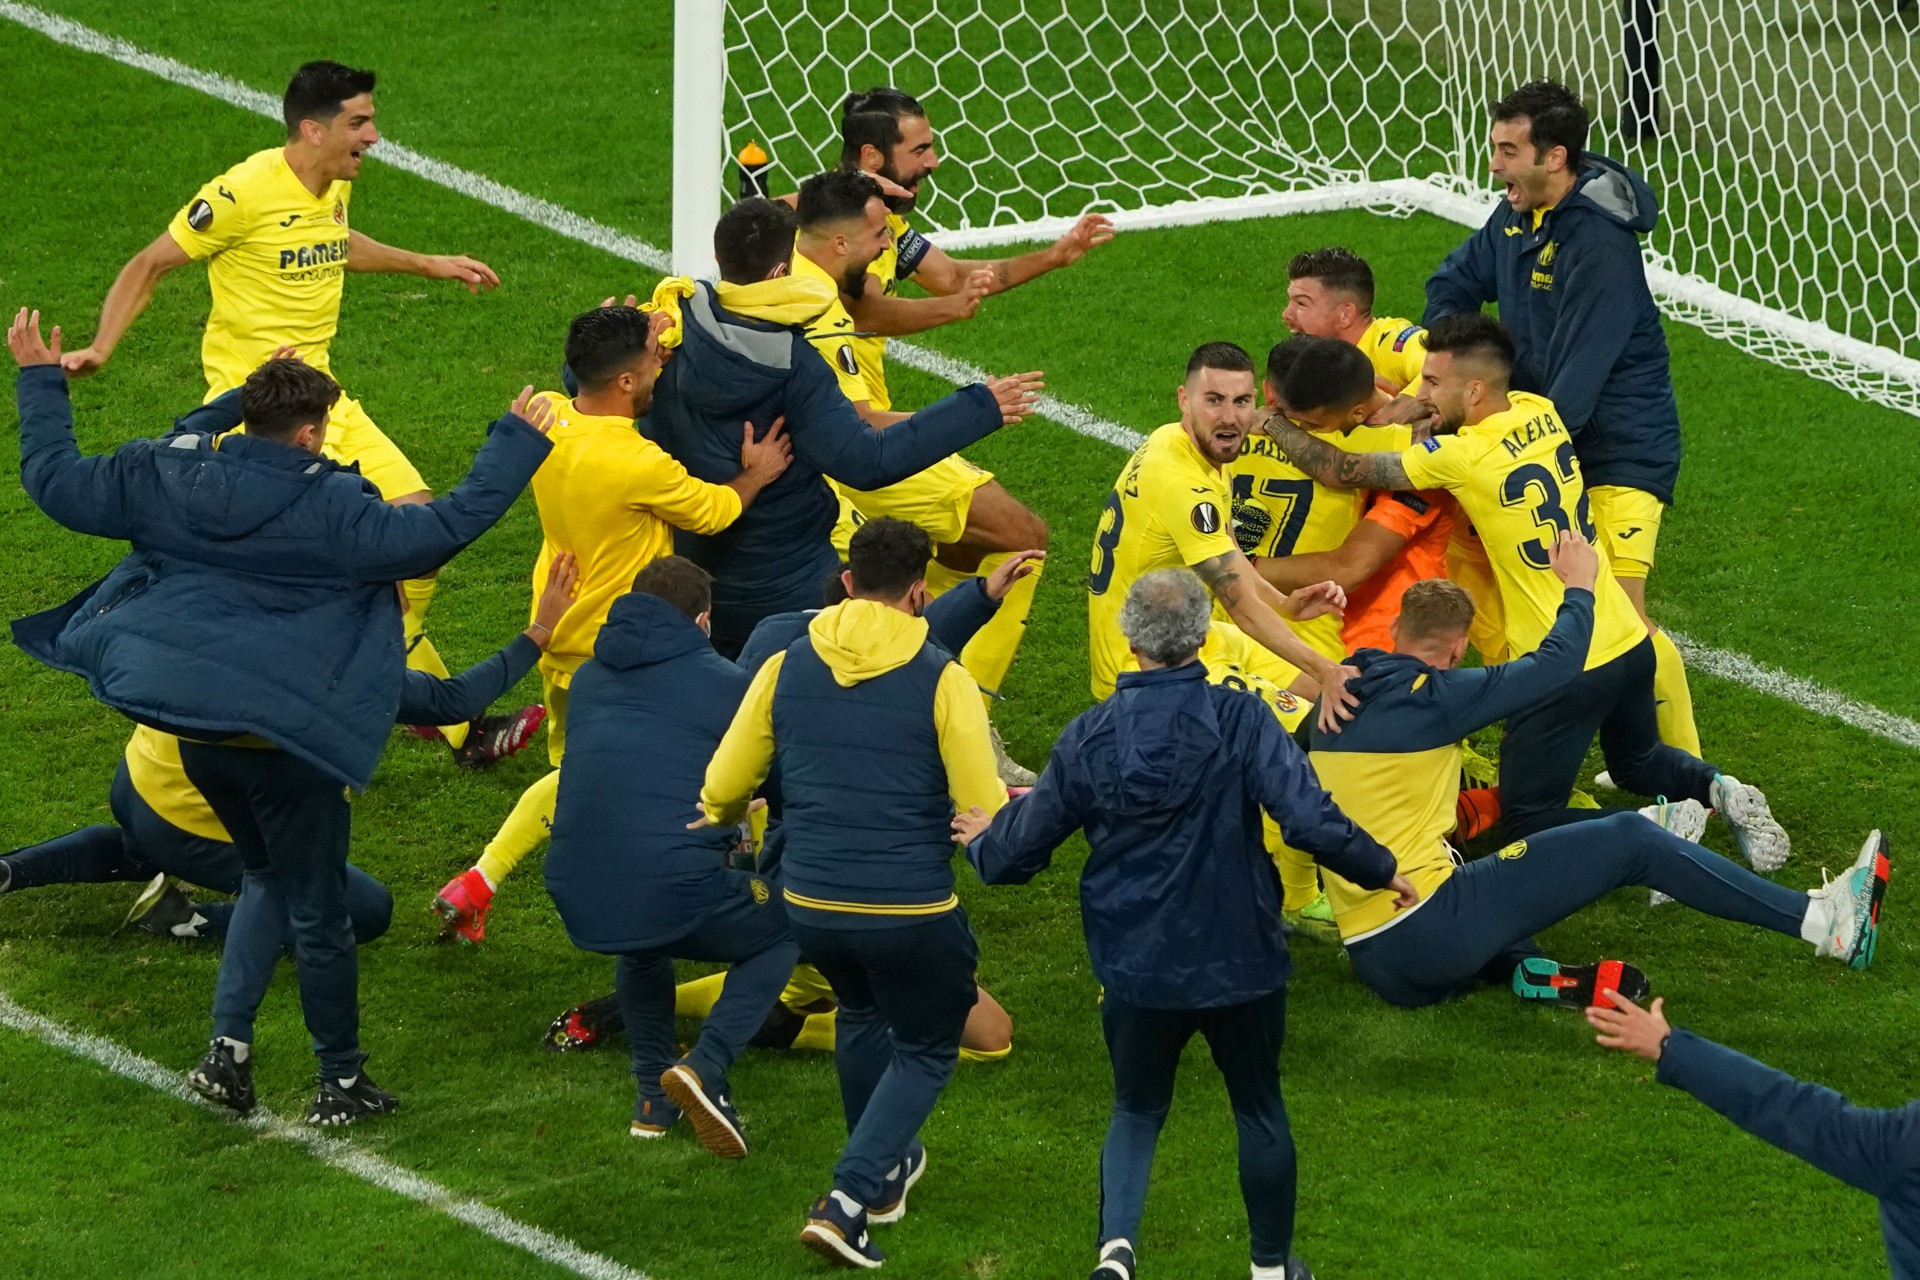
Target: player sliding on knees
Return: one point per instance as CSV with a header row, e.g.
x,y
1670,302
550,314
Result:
x,y
273,231
1395,769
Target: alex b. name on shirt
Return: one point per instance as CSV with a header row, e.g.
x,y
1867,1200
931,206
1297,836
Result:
x,y
1538,427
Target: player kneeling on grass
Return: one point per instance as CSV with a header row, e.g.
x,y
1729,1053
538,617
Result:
x,y
1169,777
629,877
1876,1151
1395,767
878,736
162,826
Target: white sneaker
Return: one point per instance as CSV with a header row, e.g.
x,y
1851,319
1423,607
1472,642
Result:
x,y
1012,772
1687,819
1843,920
1604,779
1763,841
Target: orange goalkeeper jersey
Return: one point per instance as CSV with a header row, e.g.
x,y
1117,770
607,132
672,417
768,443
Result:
x,y
1425,520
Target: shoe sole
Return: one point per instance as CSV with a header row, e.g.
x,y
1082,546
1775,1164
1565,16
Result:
x,y
825,1239
1873,854
645,1131
1577,986
156,889
1763,826
898,1209
715,1132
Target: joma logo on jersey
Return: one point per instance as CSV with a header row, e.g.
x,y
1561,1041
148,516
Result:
x,y
1536,428
317,255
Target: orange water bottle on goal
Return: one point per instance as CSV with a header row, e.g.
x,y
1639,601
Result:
x,y
755,164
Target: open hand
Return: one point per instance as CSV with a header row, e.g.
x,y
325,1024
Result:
x,y
764,459
1317,600
1336,700
1016,393
563,582
631,301
23,339
973,290
971,825
1574,561
1092,229
535,411
1627,1026
471,272
1009,571
1404,894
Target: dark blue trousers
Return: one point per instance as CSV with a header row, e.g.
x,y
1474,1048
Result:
x,y
748,933
1545,745
291,824
144,844
1482,920
904,993
1145,1046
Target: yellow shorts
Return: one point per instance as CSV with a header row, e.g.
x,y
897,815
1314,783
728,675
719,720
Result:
x,y
1235,659
1629,525
937,499
555,696
352,437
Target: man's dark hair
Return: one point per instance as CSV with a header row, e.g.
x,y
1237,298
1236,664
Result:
x,y
282,396
679,581
887,556
834,590
1554,118
1285,354
318,90
1336,268
1327,374
838,195
603,342
872,119
1473,334
753,238
1219,355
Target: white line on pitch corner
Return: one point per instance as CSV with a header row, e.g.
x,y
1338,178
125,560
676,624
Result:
x,y
336,1152
1735,667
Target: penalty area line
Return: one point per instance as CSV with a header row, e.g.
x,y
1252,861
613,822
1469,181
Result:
x,y
1725,664
336,1152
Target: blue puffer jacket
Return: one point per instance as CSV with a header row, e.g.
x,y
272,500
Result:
x,y
1574,295
258,597
731,369
644,718
1168,777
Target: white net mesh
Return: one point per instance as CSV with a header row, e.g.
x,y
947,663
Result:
x,y
1785,159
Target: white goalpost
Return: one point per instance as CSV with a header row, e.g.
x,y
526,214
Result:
x,y
1780,135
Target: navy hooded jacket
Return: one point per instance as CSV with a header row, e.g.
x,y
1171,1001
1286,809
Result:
x,y
1180,899
1574,295
645,715
731,369
258,596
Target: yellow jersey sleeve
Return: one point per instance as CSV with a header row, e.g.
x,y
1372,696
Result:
x,y
1397,348
214,220
745,754
1194,508
1444,462
660,485
966,746
832,335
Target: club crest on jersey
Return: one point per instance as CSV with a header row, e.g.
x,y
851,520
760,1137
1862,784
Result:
x,y
1286,702
199,215
339,212
843,357
1206,517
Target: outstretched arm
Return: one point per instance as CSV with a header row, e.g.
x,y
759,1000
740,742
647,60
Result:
x,y
941,274
1333,466
132,290
431,699
364,253
1368,548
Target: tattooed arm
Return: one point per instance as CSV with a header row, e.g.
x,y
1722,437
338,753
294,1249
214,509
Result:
x,y
1334,466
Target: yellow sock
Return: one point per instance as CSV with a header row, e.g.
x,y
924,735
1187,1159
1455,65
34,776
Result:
x,y
984,1055
421,655
696,999
525,829
1672,700
817,1034
989,655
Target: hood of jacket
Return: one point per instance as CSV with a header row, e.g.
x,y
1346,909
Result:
x,y
736,341
1616,193
861,639
642,630
1381,671
231,496
1164,730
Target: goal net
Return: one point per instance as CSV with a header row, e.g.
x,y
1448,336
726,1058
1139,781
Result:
x,y
1779,134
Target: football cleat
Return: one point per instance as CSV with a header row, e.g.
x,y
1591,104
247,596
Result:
x,y
1687,819
837,1230
584,1026
1575,986
900,1180
341,1102
1116,1261
462,905
491,739
652,1119
1763,841
162,910
1315,920
221,1077
715,1122
1852,905
1012,772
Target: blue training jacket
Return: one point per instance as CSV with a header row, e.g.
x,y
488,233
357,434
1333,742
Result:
x,y
731,369
1574,295
1877,1152
258,596
645,715
1180,899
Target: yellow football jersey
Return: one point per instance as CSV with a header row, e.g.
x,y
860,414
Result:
x,y
275,254
1278,510
1169,507
901,259
1398,349
832,334
613,498
1517,479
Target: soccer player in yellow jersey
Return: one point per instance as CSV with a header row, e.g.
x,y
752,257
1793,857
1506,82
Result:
x,y
273,231
611,498
1507,459
1330,295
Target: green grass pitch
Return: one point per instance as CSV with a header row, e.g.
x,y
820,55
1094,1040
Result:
x,y
1480,1139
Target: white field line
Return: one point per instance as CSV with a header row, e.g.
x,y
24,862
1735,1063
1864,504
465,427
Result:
x,y
342,1155
1719,662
